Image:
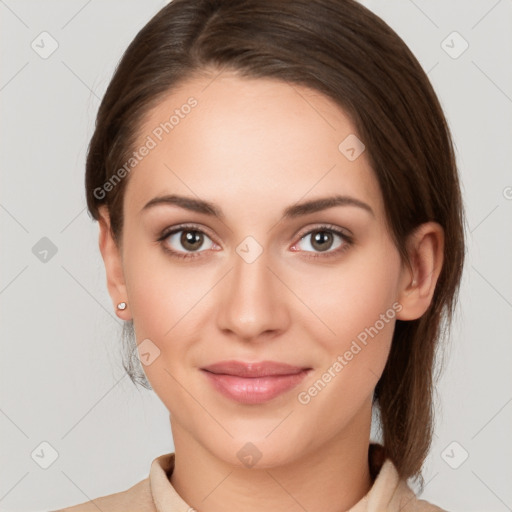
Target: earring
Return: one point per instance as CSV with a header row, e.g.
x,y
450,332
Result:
x,y
121,306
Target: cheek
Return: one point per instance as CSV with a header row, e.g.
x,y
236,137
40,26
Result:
x,y
167,305
357,307
161,293
361,311
352,298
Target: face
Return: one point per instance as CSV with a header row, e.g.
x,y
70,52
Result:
x,y
256,276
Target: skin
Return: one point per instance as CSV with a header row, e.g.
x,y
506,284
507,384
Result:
x,y
254,147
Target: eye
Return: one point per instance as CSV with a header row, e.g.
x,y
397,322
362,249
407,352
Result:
x,y
189,241
185,241
325,239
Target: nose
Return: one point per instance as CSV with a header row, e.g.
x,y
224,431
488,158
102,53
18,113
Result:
x,y
253,304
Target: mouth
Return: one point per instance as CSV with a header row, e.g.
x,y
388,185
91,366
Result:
x,y
256,382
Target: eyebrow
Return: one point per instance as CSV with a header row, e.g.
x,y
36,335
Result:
x,y
296,210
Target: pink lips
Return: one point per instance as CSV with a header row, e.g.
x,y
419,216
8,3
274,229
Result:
x,y
253,383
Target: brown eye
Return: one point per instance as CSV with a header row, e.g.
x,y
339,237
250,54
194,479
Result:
x,y
191,240
184,242
324,241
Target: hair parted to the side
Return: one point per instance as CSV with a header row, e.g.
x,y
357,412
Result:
x,y
340,48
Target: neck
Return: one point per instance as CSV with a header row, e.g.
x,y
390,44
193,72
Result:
x,y
331,478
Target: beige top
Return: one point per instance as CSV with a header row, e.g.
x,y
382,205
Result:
x,y
156,494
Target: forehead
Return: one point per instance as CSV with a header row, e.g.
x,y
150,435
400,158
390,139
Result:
x,y
259,141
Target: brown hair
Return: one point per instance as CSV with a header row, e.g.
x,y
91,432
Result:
x,y
343,50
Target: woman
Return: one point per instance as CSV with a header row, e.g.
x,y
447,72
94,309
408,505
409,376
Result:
x,y
234,140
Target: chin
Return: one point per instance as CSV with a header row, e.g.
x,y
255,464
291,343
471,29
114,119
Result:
x,y
257,451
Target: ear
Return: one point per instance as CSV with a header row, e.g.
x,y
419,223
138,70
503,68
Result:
x,y
113,264
418,282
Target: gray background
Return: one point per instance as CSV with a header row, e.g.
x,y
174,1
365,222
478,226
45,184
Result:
x,y
61,376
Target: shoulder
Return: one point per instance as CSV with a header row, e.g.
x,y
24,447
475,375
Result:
x,y
138,497
389,492
409,502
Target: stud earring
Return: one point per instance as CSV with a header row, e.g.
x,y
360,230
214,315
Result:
x,y
121,306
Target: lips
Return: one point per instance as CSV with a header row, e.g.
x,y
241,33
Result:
x,y
253,382
257,369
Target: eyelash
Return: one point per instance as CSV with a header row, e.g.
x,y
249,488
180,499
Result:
x,y
347,240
